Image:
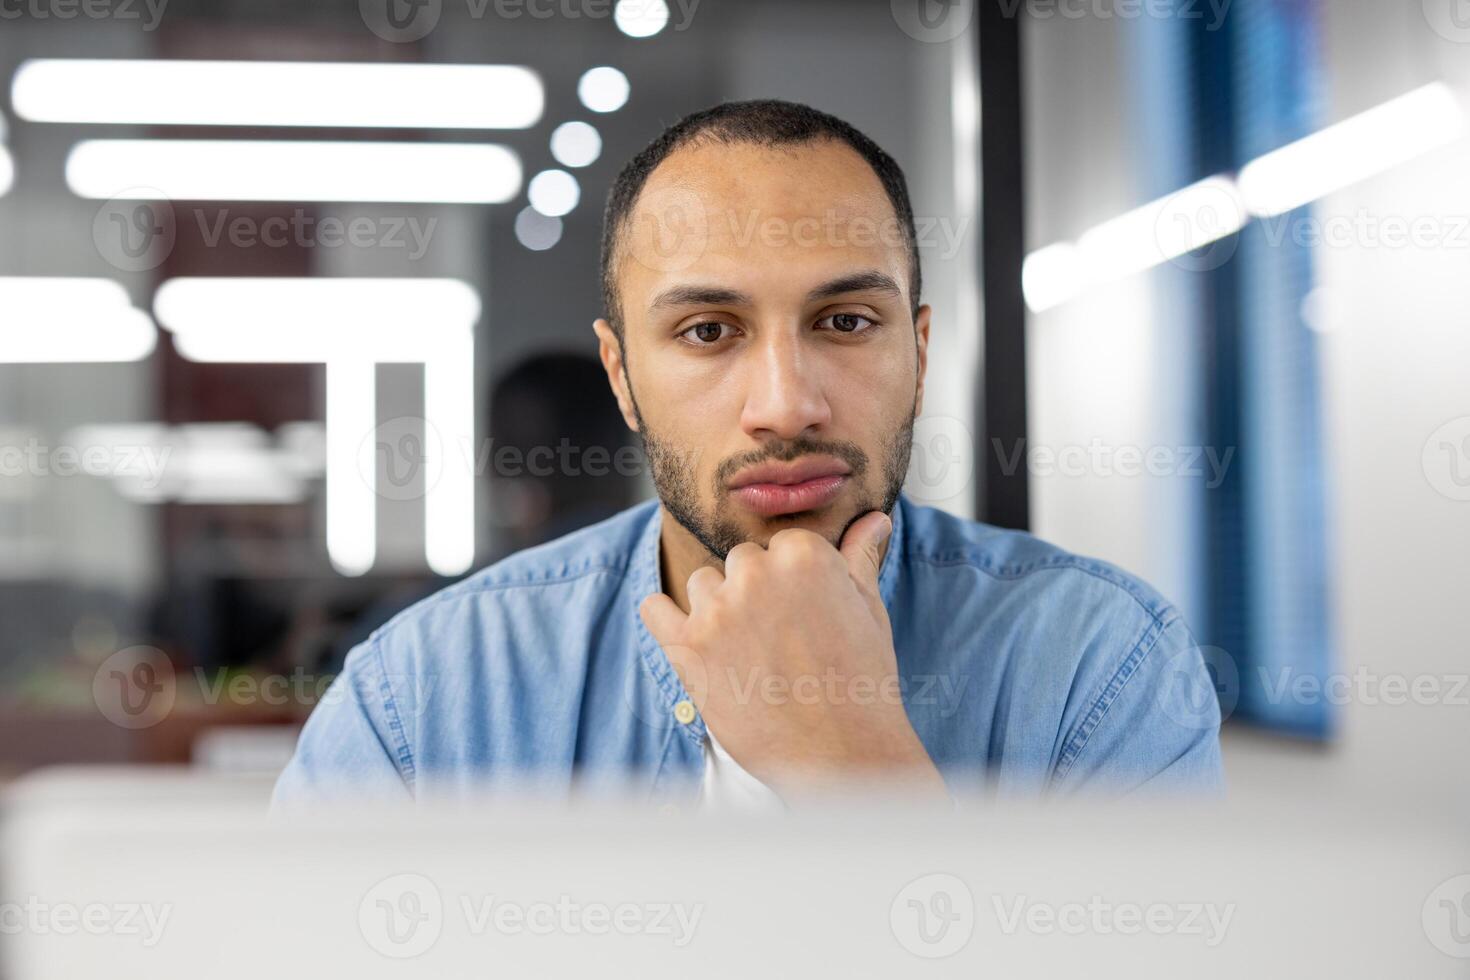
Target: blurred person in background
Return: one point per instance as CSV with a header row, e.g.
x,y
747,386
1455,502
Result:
x,y
782,621
564,458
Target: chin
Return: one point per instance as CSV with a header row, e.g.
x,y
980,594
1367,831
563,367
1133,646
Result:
x,y
824,522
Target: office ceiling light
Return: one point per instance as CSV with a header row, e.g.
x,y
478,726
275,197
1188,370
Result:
x,y
277,93
61,320
282,170
7,172
603,89
1158,232
294,171
575,144
536,231
1295,175
553,192
1050,276
311,320
351,326
641,18
1353,150
1162,230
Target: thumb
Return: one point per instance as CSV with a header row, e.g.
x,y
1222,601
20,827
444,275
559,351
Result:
x,y
667,622
862,547
664,619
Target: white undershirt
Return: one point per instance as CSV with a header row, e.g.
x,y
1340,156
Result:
x,y
727,786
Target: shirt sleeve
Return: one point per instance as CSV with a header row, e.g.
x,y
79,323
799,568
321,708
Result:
x,y
353,745
1155,727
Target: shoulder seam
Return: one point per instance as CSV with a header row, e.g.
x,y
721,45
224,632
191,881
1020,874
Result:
x,y
455,593
1105,700
1164,615
404,752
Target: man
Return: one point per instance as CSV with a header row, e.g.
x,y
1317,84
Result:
x,y
782,621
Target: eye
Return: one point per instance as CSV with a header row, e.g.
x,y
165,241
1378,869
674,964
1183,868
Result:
x,y
847,322
706,334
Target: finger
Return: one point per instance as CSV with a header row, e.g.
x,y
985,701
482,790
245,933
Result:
x,y
862,548
702,584
664,619
742,556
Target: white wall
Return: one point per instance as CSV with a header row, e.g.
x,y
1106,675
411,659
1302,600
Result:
x,y
1395,369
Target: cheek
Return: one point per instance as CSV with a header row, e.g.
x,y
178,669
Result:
x,y
680,390
876,385
688,410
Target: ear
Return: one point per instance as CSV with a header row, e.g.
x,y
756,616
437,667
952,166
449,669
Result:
x,y
921,337
611,354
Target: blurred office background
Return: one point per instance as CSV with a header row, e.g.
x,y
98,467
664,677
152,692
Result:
x,y
249,412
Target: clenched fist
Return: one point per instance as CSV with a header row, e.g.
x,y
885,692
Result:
x,y
789,656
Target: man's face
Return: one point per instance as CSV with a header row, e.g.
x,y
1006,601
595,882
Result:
x,y
769,360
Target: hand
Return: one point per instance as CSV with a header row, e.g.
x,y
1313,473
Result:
x,y
789,656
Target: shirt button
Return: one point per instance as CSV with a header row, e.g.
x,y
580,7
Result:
x,y
684,712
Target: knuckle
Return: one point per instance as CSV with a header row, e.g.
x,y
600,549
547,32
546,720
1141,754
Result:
x,y
795,541
746,552
704,577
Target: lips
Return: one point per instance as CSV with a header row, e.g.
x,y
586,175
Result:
x,y
772,489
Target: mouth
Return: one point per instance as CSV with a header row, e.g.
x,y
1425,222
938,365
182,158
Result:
x,y
773,489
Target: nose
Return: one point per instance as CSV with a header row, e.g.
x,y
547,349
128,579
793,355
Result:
x,y
784,393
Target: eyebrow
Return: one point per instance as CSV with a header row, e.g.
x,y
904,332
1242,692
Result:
x,y
699,296
869,281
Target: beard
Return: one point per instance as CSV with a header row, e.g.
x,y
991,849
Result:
x,y
673,471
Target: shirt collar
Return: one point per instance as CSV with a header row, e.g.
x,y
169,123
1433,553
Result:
x,y
646,577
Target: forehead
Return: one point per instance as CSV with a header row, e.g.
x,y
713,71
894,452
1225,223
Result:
x,y
769,220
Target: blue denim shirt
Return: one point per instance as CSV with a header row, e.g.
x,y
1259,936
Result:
x,y
1022,667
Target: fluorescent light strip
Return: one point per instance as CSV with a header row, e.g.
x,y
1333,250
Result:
x,y
1353,150
449,502
1052,275
1158,232
1163,230
1302,172
62,320
7,172
352,511
351,325
304,320
278,93
286,170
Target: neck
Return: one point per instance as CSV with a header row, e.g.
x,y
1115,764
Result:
x,y
680,554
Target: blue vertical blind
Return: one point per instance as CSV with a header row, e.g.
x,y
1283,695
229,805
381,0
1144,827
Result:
x,y
1265,564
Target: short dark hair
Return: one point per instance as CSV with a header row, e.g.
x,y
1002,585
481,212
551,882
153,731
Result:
x,y
764,122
